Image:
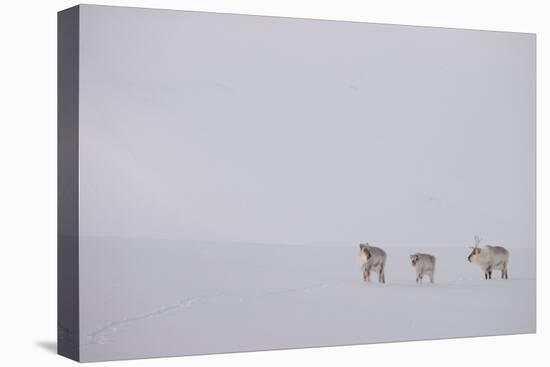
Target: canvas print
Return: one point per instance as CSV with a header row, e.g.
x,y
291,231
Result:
x,y
238,183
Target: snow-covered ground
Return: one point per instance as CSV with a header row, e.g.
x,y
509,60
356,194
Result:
x,y
163,298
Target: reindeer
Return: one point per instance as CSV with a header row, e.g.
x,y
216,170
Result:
x,y
424,265
372,258
490,258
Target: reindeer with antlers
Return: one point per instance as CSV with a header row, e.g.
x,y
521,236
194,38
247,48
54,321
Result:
x,y
490,258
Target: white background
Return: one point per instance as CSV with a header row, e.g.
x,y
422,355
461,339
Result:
x,y
28,182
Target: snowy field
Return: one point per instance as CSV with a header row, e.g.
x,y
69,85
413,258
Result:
x,y
163,298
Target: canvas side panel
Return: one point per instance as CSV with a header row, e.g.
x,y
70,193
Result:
x,y
67,183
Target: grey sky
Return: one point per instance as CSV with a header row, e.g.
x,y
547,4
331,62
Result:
x,y
243,128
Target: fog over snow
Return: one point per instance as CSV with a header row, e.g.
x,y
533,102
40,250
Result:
x,y
300,132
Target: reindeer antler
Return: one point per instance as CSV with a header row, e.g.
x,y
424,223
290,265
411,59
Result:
x,y
477,240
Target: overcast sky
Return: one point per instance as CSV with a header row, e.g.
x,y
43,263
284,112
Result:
x,y
201,126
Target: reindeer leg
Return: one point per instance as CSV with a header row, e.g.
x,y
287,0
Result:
x,y
431,277
381,275
488,273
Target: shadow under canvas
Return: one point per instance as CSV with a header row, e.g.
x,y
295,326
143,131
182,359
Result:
x,y
48,345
